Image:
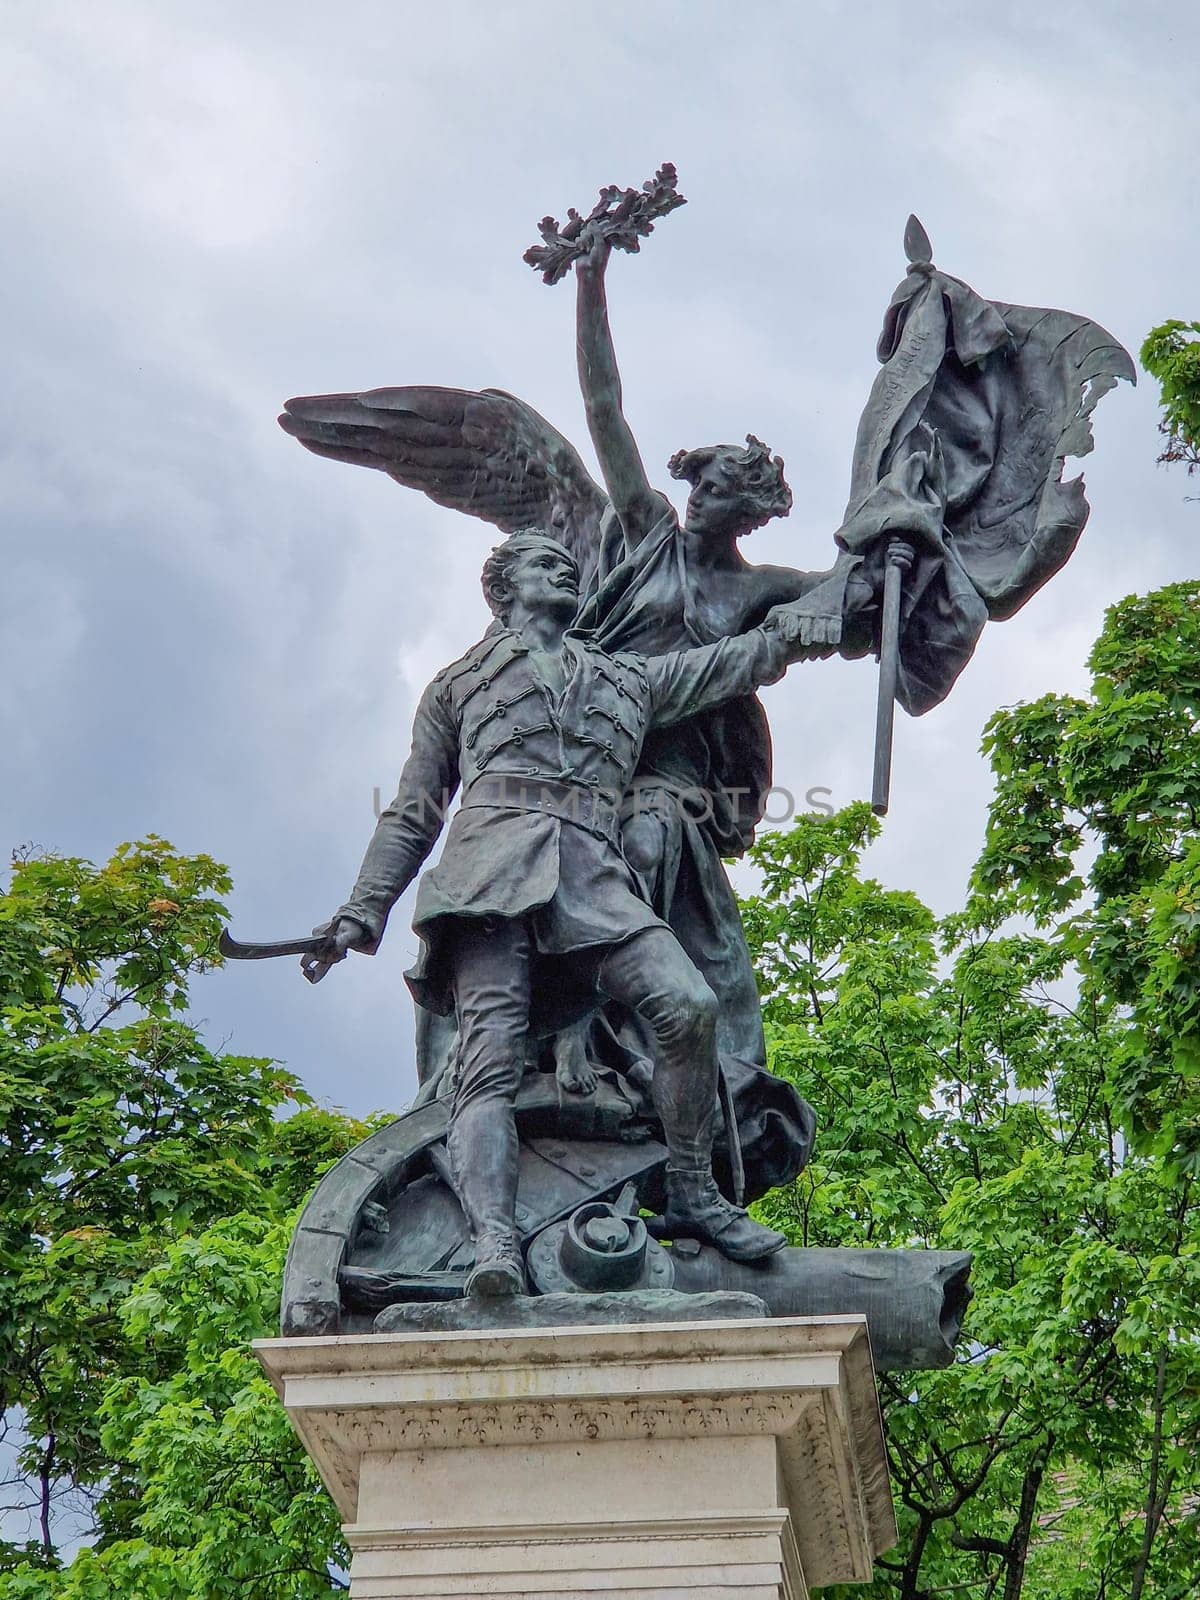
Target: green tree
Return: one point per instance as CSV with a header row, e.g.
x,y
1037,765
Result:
x,y
145,1195
1171,354
1020,1079
1117,776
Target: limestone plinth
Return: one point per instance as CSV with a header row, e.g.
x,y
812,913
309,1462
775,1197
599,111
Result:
x,y
739,1460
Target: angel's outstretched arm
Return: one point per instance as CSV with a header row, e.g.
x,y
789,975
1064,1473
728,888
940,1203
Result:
x,y
638,506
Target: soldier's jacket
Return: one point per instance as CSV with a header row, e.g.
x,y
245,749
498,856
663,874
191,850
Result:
x,y
542,776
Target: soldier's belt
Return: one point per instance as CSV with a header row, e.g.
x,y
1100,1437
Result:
x,y
593,810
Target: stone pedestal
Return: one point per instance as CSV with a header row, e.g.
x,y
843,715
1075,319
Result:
x,y
738,1460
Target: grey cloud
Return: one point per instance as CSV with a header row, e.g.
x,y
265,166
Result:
x,y
208,633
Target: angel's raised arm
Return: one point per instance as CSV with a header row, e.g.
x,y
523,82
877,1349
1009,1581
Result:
x,y
638,506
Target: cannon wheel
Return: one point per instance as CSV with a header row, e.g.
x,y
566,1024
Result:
x,y
385,1225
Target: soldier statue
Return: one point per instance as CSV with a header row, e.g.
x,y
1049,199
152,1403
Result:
x,y
533,909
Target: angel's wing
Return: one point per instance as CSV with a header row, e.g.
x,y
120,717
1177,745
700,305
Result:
x,y
487,454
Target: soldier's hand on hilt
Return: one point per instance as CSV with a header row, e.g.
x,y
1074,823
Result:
x,y
340,936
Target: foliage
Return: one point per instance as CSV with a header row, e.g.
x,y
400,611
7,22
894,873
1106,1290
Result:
x,y
1171,354
217,1497
1118,775
1019,1079
621,217
144,1197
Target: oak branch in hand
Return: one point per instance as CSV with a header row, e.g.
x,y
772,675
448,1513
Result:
x,y
621,217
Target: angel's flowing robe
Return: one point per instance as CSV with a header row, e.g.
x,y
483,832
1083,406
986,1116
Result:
x,y
960,452
700,786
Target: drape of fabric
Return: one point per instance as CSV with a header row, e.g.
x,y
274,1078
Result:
x,y
960,451
703,784
644,602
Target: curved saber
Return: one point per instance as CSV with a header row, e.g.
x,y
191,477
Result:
x,y
235,950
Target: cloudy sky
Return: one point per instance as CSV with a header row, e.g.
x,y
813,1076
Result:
x,y
209,634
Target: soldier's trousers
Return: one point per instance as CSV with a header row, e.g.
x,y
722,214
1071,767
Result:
x,y
649,973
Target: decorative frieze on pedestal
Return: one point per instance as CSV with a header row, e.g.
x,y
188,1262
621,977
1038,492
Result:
x,y
739,1460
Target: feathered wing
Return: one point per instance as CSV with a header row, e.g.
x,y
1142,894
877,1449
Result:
x,y
485,453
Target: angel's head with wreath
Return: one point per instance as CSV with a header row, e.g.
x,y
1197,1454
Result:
x,y
734,490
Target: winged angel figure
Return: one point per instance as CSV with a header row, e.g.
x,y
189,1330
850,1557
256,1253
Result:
x,y
956,491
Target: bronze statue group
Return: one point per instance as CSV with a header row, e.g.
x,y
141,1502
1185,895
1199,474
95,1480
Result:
x,y
604,738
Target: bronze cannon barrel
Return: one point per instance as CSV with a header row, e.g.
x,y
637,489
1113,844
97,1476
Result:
x,y
913,1300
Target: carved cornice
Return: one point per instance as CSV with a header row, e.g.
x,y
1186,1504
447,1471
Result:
x,y
515,1422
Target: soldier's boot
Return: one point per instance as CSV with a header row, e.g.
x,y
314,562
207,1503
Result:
x,y
499,1268
696,1209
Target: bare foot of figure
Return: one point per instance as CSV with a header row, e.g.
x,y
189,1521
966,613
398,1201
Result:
x,y
572,1069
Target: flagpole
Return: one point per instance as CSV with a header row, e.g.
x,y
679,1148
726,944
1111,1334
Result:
x,y
896,562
